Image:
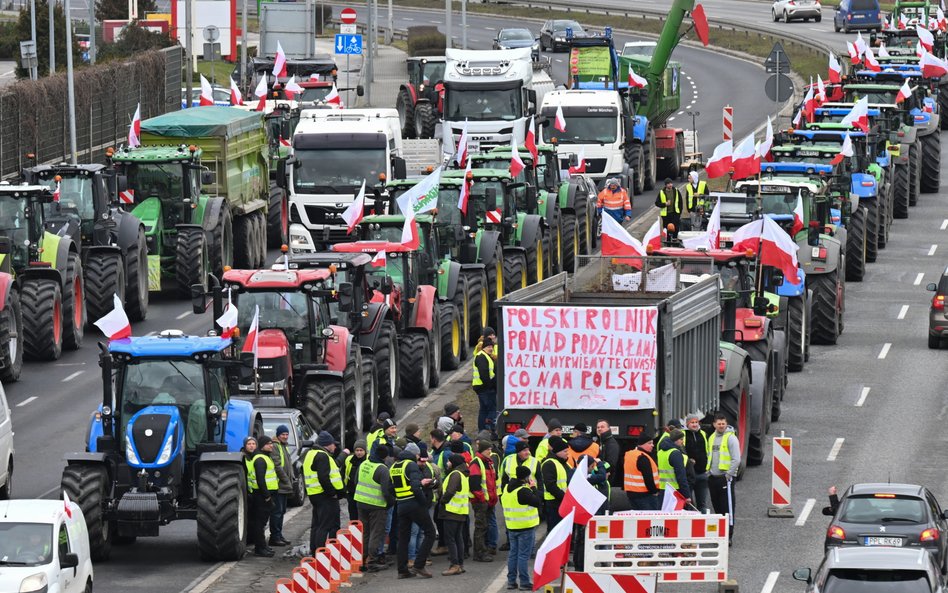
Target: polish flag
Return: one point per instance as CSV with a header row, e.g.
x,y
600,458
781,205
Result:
x,y
797,216
858,116
777,249
820,90
530,143
883,52
560,121
903,22
711,238
581,163
835,71
673,500
553,553
261,93
701,23
460,156
516,163
279,63
115,324
942,21
860,43
919,50
355,211
853,53
925,38
636,81
745,161
653,236
763,148
66,503
465,194
207,93
57,193
251,342
291,88
228,320
410,233
236,98
720,162
333,97
379,260
932,67
904,93
844,151
581,499
135,130
871,62
797,119
809,104
616,241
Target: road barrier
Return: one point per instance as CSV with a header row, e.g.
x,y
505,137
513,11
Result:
x,y
781,478
728,123
330,567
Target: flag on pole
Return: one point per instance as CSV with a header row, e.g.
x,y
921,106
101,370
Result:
x,y
720,162
553,553
580,162
763,148
57,193
261,93
845,150
581,499
410,233
355,211
66,503
291,88
465,193
228,319
251,343
835,71
858,116
673,500
460,156
207,93
745,161
636,81
530,143
115,324
616,241
279,62
711,237
560,121
904,93
333,97
135,130
797,215
236,98
516,163
776,247
422,197
654,235
379,260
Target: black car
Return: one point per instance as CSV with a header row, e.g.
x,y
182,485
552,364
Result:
x,y
874,570
515,38
301,438
937,315
892,515
553,34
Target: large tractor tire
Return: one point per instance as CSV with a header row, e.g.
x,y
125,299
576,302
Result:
x,y
11,338
763,351
537,255
191,264
370,394
222,511
943,107
425,120
930,166
406,113
915,170
826,315
515,272
136,279
570,242
735,404
479,304
221,249
354,399
465,312
651,162
856,246
42,306
780,373
245,236
104,276
260,219
496,281
873,230
635,158
74,304
796,333
386,365
759,423
902,181
436,339
278,221
451,336
414,364
87,485
322,401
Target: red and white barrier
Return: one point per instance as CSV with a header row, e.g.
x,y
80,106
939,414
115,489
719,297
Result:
x,y
323,570
284,586
345,554
355,530
728,123
781,478
610,583
329,567
300,582
335,576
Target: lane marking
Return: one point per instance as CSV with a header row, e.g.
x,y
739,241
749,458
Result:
x,y
490,28
903,311
32,398
56,488
885,350
407,18
671,118
435,22
835,450
205,583
72,376
862,397
183,315
918,279
558,60
944,223
932,250
805,513
10,73
770,582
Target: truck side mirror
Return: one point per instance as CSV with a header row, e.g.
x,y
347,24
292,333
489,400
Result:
x,y
346,291
531,193
813,234
281,173
121,183
207,177
285,130
574,160
6,246
776,277
198,299
399,168
360,91
387,285
69,560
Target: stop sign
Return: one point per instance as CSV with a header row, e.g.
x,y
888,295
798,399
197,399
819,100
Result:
x,y
348,15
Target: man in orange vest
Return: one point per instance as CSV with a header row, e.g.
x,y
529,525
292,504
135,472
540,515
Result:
x,y
614,201
640,472
581,444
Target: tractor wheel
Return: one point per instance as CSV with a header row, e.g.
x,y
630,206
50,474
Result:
x,y
856,246
759,350
354,398
903,184
537,259
260,236
104,276
915,170
515,272
756,439
298,496
826,315
386,364
436,340
451,336
6,491
41,304
136,279
735,404
11,338
406,113
570,242
466,313
873,224
322,402
370,393
245,254
87,485
425,120
277,219
414,364
635,158
651,162
930,166
221,248
74,304
222,511
479,306
796,333
191,261
496,280
943,107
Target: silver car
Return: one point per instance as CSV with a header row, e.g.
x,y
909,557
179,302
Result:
x,y
802,10
874,570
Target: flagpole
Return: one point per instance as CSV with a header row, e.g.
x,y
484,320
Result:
x,y
563,579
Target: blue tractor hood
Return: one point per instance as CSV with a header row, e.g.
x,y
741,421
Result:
x,y
863,185
154,436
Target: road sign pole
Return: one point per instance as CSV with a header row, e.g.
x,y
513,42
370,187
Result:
x,y
70,86
447,23
777,82
34,71
51,5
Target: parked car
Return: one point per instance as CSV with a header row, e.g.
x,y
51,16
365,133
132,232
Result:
x,y
851,15
221,96
874,570
6,448
802,10
553,34
517,37
301,438
644,49
891,515
937,315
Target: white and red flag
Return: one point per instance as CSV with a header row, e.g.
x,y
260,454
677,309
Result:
x,y
845,150
835,70
465,193
207,93
333,97
858,116
516,163
654,235
355,211
291,88
279,62
115,324
379,260
720,162
673,500
135,130
261,93
636,81
553,553
530,143
775,246
236,98
745,161
559,121
460,156
904,93
251,343
581,499
616,241
797,215
580,163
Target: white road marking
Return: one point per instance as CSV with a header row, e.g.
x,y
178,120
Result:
x,y
407,18
558,60
862,397
217,572
72,376
435,22
27,401
932,250
918,279
671,118
885,350
815,29
183,315
770,582
10,73
498,583
807,507
490,28
50,491
903,311
835,450
944,223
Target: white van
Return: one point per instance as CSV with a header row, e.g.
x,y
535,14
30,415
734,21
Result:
x,y
6,448
43,548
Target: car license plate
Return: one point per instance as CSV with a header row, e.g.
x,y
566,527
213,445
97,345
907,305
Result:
x,y
473,146
884,541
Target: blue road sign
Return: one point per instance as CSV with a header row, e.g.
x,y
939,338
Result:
x,y
348,45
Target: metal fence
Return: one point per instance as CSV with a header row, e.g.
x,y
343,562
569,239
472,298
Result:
x,y
36,121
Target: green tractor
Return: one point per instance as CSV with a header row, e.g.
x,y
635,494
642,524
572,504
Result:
x,y
48,280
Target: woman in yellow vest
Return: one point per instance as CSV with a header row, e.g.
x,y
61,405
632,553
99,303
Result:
x,y
521,504
262,483
454,509
324,487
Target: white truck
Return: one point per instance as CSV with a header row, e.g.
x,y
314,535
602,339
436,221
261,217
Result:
x,y
334,151
494,92
594,131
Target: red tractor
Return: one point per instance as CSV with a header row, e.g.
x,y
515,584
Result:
x,y
420,100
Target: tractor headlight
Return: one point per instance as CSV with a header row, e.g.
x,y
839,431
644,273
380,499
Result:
x,y
214,409
106,411
35,583
300,239
165,456
130,453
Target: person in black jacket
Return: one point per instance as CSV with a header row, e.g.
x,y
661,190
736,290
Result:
x,y
696,447
412,509
324,487
556,474
261,497
609,452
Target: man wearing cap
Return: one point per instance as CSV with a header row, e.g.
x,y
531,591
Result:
x,y
555,473
581,444
433,473
350,469
672,464
454,510
484,497
385,434
287,476
614,201
554,429
521,503
696,194
457,434
640,475
452,413
670,201
260,503
408,485
487,333
323,487
484,383
373,495
671,425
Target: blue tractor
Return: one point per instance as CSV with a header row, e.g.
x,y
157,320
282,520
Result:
x,y
165,445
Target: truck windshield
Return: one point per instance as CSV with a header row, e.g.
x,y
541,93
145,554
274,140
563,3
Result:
x,y
778,203
587,130
477,203
483,104
155,180
26,544
334,170
737,206
14,224
315,93
75,197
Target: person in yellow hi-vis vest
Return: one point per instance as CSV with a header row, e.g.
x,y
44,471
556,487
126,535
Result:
x,y
485,386
324,487
724,462
262,483
454,511
670,202
521,503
